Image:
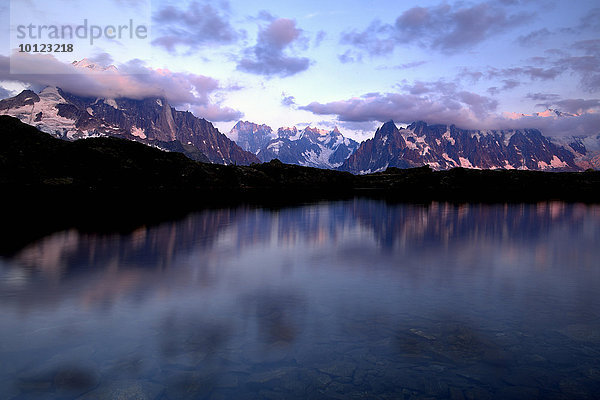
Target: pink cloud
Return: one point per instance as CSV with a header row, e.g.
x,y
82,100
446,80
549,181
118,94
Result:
x,y
463,109
130,80
268,57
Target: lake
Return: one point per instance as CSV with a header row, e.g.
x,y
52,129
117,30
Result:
x,y
359,299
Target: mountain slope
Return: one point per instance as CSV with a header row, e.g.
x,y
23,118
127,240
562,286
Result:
x,y
250,136
30,158
152,121
585,149
307,147
34,160
444,147
127,175
49,184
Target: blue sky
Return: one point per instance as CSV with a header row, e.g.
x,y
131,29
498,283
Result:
x,y
354,64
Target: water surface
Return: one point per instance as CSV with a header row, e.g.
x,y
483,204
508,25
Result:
x,y
356,299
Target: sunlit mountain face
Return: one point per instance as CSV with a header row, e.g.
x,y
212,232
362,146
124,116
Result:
x,y
152,121
445,147
311,147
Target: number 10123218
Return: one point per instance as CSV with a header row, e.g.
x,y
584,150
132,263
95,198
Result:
x,y
46,48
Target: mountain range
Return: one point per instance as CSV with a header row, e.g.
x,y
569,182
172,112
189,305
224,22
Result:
x,y
154,122
439,146
49,184
585,149
151,121
311,147
34,165
447,146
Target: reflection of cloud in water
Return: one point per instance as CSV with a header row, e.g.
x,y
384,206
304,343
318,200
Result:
x,y
232,301
278,314
64,381
191,339
193,252
67,253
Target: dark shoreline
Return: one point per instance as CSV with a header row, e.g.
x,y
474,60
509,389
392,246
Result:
x,y
108,184
26,219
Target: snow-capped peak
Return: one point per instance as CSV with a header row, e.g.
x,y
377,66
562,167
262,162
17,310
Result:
x,y
309,146
87,63
548,113
51,93
553,113
318,131
289,133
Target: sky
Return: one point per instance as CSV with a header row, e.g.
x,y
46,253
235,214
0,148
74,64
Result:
x,y
352,64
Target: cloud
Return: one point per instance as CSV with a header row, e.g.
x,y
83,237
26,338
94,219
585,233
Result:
x,y
131,80
543,96
135,3
268,56
358,131
410,65
449,28
472,75
494,90
199,25
4,93
510,84
461,108
590,47
444,27
535,38
583,61
213,112
587,66
404,66
507,84
533,73
233,86
263,15
287,101
479,105
377,40
439,86
102,59
581,125
320,37
350,57
578,106
591,21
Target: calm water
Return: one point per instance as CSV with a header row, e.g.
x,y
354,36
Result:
x,y
345,300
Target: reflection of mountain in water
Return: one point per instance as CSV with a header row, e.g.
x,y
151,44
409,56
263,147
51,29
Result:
x,y
229,303
69,252
196,246
444,223
405,226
